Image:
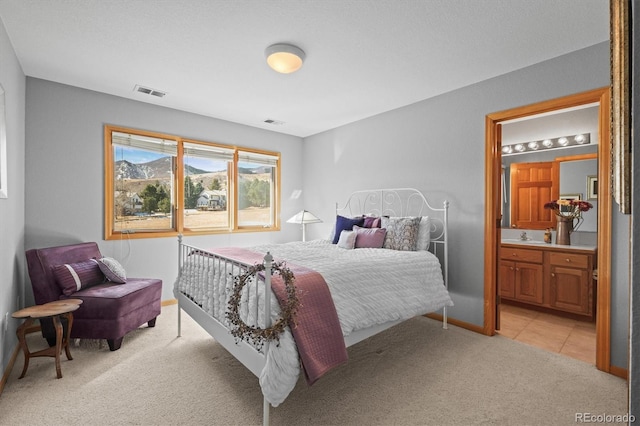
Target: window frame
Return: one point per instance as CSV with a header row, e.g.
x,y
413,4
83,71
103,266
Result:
x,y
177,209
275,188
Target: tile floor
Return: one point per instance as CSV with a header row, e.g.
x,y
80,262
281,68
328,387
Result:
x,y
570,337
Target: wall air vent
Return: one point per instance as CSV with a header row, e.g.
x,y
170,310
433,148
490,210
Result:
x,y
274,122
148,91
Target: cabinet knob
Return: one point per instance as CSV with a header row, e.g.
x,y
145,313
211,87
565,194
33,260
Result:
x,y
517,269
568,260
512,268
553,275
513,254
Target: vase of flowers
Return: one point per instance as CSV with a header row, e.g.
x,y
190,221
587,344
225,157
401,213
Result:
x,y
566,212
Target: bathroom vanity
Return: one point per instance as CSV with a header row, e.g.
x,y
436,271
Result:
x,y
552,276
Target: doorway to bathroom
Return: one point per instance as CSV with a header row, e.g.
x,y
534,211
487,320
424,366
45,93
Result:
x,y
494,215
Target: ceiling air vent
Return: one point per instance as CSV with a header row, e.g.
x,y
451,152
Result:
x,y
148,91
274,122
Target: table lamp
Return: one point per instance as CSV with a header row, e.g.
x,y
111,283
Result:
x,y
302,218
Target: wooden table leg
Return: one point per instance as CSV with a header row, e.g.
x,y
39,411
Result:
x,y
58,325
67,337
23,344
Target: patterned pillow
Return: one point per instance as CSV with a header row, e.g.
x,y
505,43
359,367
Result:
x,y
402,232
113,270
347,240
345,224
72,277
369,237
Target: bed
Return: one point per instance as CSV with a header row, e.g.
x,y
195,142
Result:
x,y
362,280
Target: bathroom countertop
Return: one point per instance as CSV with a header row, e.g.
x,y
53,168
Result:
x,y
543,245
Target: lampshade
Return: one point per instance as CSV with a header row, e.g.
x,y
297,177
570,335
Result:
x,y
304,217
284,58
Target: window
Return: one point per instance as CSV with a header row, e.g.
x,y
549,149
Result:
x,y
256,188
160,185
206,186
143,182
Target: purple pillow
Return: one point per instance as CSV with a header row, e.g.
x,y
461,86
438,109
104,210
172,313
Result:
x,y
72,277
371,222
345,224
369,237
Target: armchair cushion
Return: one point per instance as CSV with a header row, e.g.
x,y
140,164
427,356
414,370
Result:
x,y
111,310
110,301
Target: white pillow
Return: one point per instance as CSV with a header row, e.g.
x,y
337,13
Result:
x,y
113,270
347,239
424,234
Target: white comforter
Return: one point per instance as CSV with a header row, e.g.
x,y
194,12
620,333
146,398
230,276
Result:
x,y
368,287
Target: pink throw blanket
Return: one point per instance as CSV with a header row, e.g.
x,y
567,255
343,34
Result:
x,y
317,331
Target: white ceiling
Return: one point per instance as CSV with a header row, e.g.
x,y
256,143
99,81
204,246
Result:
x,y
363,57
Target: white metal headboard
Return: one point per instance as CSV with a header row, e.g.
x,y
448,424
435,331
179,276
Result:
x,y
403,202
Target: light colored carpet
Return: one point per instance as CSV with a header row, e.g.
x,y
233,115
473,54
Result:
x,y
413,374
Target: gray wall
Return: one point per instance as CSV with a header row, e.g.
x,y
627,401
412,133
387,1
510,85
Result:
x,y
12,209
65,173
438,146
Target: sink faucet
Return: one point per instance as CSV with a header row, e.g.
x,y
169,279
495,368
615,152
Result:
x,y
523,236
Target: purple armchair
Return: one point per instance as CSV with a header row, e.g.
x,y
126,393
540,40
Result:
x,y
109,310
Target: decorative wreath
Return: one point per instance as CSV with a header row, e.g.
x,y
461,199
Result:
x,y
258,335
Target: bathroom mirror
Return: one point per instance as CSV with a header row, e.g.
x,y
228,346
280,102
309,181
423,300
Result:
x,y
578,165
3,146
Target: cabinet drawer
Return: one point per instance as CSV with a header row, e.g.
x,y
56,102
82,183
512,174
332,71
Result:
x,y
523,255
569,259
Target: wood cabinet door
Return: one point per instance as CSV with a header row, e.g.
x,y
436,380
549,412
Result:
x,y
529,283
507,279
533,185
570,290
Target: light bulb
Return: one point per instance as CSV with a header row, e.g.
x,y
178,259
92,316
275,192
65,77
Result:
x,y
548,143
563,141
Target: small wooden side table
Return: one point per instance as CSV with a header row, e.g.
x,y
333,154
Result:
x,y
55,310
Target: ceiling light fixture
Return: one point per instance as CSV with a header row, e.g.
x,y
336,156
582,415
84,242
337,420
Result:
x,y
546,144
284,58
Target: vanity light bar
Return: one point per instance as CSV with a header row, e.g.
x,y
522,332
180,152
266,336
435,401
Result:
x,y
545,144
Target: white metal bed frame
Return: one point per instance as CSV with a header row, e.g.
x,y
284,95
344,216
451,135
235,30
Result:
x,y
379,202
